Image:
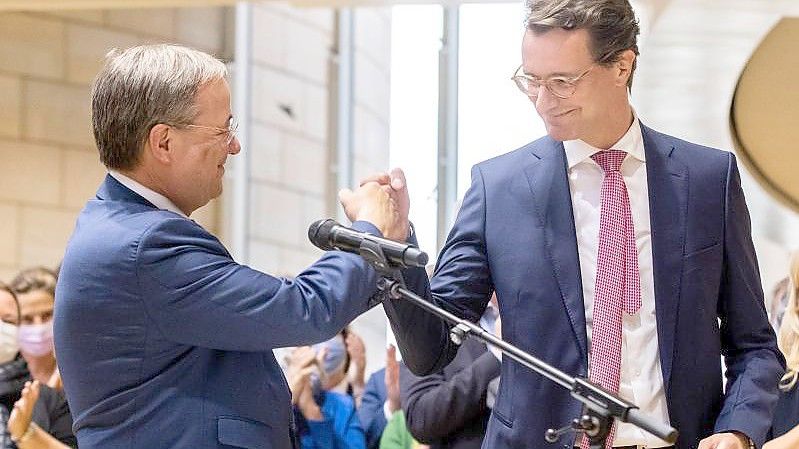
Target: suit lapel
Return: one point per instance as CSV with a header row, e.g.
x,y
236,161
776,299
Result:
x,y
667,180
549,185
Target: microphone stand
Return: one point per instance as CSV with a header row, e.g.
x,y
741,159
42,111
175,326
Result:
x,y
600,407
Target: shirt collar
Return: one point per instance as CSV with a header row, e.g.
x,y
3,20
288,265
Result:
x,y
158,200
632,143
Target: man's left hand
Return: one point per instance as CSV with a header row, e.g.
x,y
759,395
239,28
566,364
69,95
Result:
x,y
731,440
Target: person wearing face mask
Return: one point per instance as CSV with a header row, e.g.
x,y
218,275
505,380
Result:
x,y
324,418
35,288
13,371
32,416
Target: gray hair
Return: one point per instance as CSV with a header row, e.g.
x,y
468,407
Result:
x,y
610,23
141,87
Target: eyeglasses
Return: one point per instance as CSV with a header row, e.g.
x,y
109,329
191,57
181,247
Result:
x,y
559,86
229,133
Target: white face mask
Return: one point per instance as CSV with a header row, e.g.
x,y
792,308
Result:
x,y
36,339
8,342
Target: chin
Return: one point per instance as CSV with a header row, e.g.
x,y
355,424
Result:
x,y
561,134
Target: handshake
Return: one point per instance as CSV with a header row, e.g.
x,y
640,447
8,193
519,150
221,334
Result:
x,y
381,199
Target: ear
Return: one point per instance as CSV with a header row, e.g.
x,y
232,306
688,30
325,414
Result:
x,y
158,141
625,67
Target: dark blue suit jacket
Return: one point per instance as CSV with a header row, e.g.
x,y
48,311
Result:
x,y
515,234
164,341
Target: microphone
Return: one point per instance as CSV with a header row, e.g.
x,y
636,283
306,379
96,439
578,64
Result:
x,y
328,235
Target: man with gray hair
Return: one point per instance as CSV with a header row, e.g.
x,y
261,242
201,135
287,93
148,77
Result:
x,y
163,340
616,252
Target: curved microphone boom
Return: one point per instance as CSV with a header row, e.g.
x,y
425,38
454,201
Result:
x,y
328,235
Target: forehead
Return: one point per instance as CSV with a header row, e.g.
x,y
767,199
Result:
x,y
7,304
35,301
555,52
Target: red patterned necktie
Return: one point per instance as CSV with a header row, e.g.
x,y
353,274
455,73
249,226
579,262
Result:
x,y
618,281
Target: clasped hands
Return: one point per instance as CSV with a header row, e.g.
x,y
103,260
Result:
x,y
381,199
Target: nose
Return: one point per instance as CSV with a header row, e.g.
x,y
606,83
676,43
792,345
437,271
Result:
x,y
545,100
235,146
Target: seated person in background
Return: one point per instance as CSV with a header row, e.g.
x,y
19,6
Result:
x,y
449,409
40,418
784,432
349,378
324,419
381,399
35,289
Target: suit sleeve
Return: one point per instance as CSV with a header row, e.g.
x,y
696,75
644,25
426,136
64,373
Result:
x,y
371,413
461,284
754,364
197,295
459,397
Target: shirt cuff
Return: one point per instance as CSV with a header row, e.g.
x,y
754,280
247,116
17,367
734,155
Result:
x,y
495,351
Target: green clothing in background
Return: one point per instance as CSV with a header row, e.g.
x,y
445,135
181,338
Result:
x,y
396,435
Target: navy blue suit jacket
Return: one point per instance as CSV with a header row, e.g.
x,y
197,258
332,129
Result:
x,y
515,234
164,341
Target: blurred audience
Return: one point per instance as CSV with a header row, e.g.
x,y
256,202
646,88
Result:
x,y
356,350
35,289
784,432
349,378
777,303
381,399
324,418
397,436
32,416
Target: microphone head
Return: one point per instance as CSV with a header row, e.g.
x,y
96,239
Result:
x,y
319,233
421,259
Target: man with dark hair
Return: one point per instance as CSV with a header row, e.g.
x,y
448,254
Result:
x,y
616,252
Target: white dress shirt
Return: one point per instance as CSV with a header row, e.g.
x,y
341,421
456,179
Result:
x,y
641,377
158,200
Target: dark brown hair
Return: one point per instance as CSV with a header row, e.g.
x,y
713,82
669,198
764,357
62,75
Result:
x,y
611,24
35,279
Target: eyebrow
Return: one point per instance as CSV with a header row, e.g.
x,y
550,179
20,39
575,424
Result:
x,y
553,75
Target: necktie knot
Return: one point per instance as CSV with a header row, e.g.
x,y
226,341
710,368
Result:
x,y
609,160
